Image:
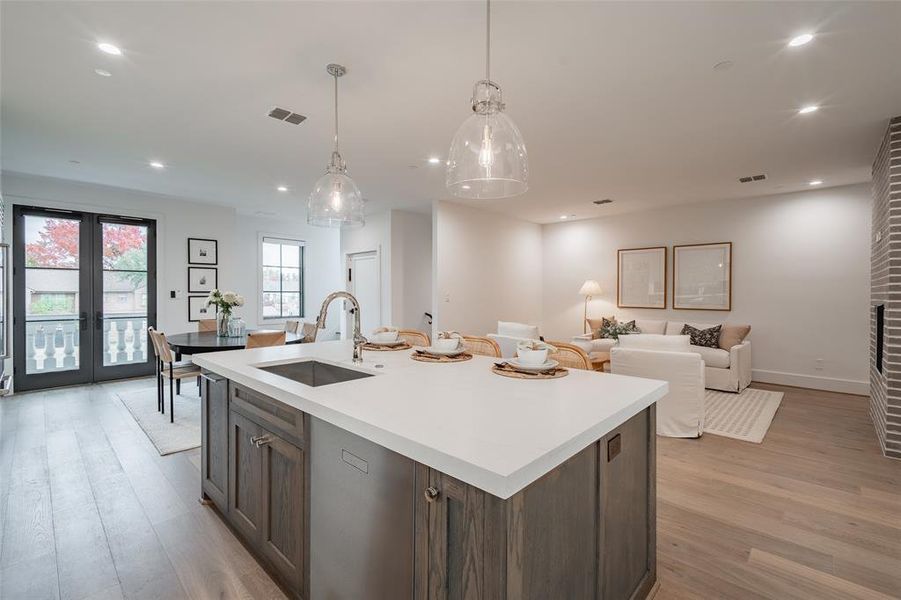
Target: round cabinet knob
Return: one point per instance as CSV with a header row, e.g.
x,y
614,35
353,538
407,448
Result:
x,y
431,494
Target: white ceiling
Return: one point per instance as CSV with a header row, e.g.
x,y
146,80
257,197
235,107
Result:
x,y
615,100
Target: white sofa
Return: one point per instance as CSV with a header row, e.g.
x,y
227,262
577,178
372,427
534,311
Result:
x,y
509,334
725,370
668,357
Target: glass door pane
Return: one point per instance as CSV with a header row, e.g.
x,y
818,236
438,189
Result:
x,y
122,317
53,302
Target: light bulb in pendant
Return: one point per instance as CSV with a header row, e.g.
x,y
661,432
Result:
x,y
486,154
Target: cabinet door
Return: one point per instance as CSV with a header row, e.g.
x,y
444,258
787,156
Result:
x,y
214,433
451,534
245,489
283,507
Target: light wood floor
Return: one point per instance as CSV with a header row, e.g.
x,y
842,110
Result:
x,y
89,510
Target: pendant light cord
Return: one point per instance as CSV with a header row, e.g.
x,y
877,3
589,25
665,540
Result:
x,y
336,112
488,40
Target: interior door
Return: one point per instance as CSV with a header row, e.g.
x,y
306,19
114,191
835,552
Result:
x,y
124,302
364,283
52,298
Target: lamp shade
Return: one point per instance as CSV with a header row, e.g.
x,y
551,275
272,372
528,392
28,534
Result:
x,y
590,288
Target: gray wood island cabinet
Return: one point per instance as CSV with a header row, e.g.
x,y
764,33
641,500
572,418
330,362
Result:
x,y
583,530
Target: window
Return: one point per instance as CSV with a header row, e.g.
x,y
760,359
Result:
x,y
282,278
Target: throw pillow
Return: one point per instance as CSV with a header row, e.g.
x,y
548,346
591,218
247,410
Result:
x,y
707,338
733,335
614,330
595,326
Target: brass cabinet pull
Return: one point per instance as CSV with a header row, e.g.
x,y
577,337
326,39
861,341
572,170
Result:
x,y
431,493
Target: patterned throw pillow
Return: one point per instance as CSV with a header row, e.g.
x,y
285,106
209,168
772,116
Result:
x,y
709,338
613,329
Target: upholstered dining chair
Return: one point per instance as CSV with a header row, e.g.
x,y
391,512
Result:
x,y
292,326
309,332
413,337
206,325
261,339
169,369
570,356
481,346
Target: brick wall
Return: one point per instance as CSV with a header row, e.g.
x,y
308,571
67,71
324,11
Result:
x,y
885,269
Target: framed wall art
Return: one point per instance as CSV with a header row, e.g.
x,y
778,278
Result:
x,y
202,280
198,310
702,276
202,251
641,277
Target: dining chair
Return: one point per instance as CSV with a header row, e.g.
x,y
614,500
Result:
x,y
261,339
292,326
171,371
309,331
570,356
206,325
481,346
413,337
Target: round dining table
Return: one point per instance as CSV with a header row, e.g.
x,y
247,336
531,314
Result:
x,y
198,342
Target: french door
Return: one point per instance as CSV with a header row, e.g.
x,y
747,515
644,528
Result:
x,y
84,289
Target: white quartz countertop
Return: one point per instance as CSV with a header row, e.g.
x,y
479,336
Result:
x,y
496,433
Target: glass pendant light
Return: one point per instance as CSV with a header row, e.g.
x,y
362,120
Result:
x,y
336,200
487,157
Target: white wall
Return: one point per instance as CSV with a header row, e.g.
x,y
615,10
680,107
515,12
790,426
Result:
x,y
411,269
487,268
800,277
177,220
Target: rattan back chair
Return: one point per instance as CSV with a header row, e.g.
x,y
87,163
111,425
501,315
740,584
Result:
x,y
413,337
206,325
570,356
262,339
481,346
292,326
309,331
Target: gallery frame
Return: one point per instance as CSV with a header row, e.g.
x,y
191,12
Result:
x,y
203,251
202,280
641,277
198,309
702,276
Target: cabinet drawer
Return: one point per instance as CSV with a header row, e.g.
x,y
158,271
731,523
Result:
x,y
283,420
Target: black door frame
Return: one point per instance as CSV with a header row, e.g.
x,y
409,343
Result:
x,y
90,347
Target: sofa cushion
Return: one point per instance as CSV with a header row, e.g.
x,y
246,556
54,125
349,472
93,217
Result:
x,y
520,330
712,357
656,341
675,327
595,325
651,326
733,335
703,337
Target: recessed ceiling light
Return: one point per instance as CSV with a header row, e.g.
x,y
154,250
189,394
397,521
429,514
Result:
x,y
808,109
282,188
465,187
564,217
103,72
109,48
815,182
157,164
800,40
434,160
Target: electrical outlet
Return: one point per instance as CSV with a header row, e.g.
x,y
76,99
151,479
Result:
x,y
818,364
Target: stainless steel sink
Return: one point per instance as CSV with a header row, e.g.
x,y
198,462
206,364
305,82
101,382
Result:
x,y
315,373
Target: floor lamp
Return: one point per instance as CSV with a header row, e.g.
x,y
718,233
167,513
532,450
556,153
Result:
x,y
589,288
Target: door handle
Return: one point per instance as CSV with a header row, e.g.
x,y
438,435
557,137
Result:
x,y
83,321
98,320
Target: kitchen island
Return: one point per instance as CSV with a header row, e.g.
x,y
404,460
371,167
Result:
x,y
402,479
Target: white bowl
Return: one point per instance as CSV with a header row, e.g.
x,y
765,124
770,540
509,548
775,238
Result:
x,y
447,343
531,358
384,337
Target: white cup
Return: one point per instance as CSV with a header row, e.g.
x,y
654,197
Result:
x,y
532,358
447,344
384,337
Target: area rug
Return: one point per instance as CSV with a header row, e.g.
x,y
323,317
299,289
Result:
x,y
745,416
167,437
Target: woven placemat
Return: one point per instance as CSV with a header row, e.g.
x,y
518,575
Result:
x,y
506,370
379,348
434,358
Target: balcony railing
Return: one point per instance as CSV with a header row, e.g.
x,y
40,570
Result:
x,y
52,343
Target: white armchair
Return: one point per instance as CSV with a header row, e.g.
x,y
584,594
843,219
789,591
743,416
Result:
x,y
509,334
681,412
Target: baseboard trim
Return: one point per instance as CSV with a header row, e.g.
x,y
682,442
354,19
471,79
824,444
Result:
x,y
829,384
